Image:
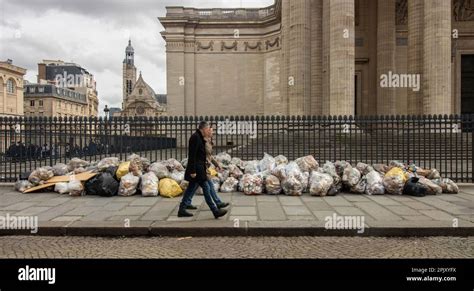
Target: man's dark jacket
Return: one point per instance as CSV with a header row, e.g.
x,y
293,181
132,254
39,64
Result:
x,y
196,158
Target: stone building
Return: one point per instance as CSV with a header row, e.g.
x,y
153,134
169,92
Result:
x,y
139,99
322,57
11,89
49,100
73,77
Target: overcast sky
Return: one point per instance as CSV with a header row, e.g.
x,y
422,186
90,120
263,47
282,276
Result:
x,y
94,34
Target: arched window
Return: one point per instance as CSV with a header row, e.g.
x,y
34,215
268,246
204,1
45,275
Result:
x,y
10,86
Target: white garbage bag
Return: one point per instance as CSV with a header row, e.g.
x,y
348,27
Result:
x,y
223,175
252,184
292,185
173,165
281,159
307,163
76,163
267,163
363,168
374,183
381,168
340,166
102,165
447,185
396,164
330,168
178,176
351,176
160,170
432,188
61,188
279,171
128,185
434,174
76,188
224,159
149,185
230,185
235,172
60,169
40,175
360,187
251,167
320,183
272,185
22,185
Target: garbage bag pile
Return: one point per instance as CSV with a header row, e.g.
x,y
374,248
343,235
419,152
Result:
x,y
269,175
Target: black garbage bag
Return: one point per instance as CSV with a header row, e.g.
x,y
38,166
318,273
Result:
x,y
413,188
103,185
112,170
24,175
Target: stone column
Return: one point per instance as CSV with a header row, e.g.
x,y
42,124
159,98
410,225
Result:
x,y
340,51
299,67
386,45
176,79
437,57
325,59
316,56
4,95
415,53
285,53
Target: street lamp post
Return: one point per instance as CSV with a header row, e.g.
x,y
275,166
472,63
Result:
x,y
106,111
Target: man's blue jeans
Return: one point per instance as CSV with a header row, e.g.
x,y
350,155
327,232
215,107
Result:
x,y
189,193
214,193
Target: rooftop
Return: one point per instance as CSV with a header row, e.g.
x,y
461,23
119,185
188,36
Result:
x,y
232,14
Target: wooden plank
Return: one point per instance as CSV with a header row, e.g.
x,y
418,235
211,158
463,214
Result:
x,y
58,179
81,177
33,189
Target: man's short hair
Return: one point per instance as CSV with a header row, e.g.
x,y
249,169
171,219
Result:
x,y
203,124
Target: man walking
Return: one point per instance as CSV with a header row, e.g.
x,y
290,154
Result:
x,y
196,173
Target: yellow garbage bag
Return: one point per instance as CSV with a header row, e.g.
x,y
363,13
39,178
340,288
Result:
x,y
169,188
212,172
122,170
394,181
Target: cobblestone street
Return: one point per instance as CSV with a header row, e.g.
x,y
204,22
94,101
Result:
x,y
235,247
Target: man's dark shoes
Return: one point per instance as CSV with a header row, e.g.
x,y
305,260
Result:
x,y
184,213
191,207
222,205
219,213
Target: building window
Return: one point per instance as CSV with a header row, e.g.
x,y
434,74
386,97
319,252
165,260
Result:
x,y
129,86
41,103
32,89
32,103
41,89
10,86
140,91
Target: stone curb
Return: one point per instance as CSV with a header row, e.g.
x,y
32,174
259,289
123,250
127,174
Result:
x,y
218,228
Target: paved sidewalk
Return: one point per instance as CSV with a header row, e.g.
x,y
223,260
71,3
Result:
x,y
386,215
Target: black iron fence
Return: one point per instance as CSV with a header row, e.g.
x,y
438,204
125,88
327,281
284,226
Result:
x,y
442,142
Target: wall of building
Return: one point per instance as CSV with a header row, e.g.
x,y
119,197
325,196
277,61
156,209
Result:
x,y
11,104
236,82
